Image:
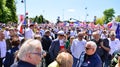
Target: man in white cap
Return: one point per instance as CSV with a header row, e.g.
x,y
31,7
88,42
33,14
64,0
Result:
x,y
57,46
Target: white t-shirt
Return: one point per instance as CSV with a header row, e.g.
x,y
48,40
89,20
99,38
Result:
x,y
114,45
29,34
73,33
77,47
3,49
6,33
61,43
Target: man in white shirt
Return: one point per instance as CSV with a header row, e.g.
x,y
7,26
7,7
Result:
x,y
3,48
73,32
114,44
6,33
78,46
29,34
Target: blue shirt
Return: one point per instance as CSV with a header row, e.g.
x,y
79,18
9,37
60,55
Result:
x,y
92,61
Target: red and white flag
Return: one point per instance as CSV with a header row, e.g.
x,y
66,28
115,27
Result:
x,y
21,20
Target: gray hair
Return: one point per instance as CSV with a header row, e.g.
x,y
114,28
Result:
x,y
92,44
95,33
28,46
112,33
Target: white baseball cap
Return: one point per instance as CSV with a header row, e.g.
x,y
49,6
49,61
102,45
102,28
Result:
x,y
60,32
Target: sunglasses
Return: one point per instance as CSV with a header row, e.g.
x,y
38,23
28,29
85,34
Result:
x,y
88,48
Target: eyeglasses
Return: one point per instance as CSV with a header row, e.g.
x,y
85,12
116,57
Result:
x,y
88,48
39,54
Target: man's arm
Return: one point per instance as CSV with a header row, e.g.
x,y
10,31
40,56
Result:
x,y
51,50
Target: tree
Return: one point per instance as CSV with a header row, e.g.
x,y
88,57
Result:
x,y
108,15
100,20
10,4
4,12
7,11
36,19
40,19
117,18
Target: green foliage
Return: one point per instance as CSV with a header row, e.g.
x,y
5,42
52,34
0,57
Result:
x,y
117,18
6,15
100,20
7,11
10,4
4,12
40,19
108,15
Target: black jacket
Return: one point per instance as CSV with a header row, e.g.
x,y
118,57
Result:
x,y
46,42
22,64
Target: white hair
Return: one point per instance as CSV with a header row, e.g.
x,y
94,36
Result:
x,y
112,33
95,33
28,46
92,44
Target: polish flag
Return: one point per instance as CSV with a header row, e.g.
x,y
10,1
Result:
x,y
21,20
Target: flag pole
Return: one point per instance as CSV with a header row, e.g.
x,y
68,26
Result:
x,y
24,1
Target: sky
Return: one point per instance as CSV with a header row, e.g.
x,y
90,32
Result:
x,y
66,9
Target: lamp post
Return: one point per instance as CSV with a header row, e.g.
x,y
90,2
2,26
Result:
x,y
86,14
24,1
24,23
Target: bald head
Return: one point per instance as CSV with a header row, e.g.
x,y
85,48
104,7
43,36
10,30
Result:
x,y
96,35
80,35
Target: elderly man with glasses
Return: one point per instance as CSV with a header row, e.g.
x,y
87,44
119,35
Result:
x,y
30,54
89,58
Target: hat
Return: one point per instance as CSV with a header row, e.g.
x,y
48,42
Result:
x,y
47,31
60,33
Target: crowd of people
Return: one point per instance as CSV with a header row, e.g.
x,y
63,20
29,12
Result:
x,y
54,46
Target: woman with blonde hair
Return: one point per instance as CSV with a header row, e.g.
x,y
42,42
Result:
x,y
63,59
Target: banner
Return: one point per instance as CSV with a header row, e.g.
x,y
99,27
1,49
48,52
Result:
x,y
118,31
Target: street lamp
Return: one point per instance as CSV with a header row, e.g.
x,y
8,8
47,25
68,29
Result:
x,y
24,23
86,14
24,1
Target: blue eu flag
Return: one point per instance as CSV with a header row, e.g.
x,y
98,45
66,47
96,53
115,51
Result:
x,y
118,31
